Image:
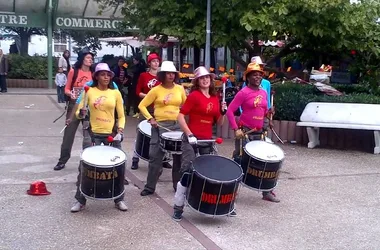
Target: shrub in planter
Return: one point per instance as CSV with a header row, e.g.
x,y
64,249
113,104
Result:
x,y
29,67
291,100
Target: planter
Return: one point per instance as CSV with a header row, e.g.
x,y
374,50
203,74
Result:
x,y
27,83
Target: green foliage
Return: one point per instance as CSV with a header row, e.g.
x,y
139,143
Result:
x,y
324,26
29,67
291,99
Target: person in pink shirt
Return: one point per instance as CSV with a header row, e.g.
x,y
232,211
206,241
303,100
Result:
x,y
254,103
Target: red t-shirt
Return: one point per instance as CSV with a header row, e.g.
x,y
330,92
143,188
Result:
x,y
203,112
146,82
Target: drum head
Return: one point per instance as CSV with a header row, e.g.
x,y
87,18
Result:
x,y
145,127
103,156
264,151
217,168
174,135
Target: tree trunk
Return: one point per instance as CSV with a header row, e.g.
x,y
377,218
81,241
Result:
x,y
24,42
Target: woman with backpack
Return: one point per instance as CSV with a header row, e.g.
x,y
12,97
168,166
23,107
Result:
x,y
76,79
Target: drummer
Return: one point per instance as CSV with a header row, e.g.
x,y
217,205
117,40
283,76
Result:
x,y
167,99
265,85
203,110
102,99
253,101
146,81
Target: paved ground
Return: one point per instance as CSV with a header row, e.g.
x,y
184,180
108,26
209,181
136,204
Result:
x,y
329,198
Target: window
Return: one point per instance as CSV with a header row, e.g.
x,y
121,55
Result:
x,y
59,48
60,39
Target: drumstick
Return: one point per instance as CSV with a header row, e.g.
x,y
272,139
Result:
x,y
164,128
63,129
224,80
217,140
86,88
271,103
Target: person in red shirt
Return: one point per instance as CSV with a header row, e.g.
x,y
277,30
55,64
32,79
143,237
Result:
x,y
146,82
203,109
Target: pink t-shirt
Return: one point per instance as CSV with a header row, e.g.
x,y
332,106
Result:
x,y
255,106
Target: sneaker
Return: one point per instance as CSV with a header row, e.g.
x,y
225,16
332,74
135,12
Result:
x,y
166,165
232,214
121,206
177,215
146,192
59,166
137,115
77,207
126,182
270,196
135,164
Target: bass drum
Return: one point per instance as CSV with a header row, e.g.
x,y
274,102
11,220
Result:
x,y
261,164
102,173
213,185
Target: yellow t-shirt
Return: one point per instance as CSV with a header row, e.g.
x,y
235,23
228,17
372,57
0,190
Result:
x,y
166,102
102,105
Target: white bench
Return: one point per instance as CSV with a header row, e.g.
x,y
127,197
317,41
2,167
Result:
x,y
340,115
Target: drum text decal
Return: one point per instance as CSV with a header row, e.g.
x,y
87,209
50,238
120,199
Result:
x,y
106,175
262,174
213,198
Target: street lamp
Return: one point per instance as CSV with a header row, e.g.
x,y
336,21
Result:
x,y
208,34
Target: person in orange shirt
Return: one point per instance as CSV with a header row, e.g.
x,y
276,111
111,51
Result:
x,y
76,79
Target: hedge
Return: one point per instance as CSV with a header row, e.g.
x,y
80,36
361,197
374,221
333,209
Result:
x,y
29,67
291,99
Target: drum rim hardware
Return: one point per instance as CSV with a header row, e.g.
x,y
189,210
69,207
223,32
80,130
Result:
x,y
266,160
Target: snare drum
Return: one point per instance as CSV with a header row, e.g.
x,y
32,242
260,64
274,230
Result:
x,y
213,185
171,142
144,133
102,173
261,163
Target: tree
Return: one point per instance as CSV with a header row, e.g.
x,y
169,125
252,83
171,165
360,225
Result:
x,y
308,26
22,36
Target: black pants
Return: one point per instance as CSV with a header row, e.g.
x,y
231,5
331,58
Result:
x,y
97,139
3,83
132,101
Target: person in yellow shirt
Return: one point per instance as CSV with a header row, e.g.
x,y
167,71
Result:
x,y
102,101
167,99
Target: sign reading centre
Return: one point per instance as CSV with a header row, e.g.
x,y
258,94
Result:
x,y
39,21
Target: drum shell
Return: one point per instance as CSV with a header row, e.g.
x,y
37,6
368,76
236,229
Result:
x,y
213,185
171,145
142,145
102,183
259,174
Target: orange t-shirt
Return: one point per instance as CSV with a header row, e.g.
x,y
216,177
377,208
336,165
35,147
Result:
x,y
81,80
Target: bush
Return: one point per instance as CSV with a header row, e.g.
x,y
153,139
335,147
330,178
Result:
x,y
291,99
29,67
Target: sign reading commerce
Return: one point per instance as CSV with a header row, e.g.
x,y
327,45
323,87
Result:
x,y
86,23
39,21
